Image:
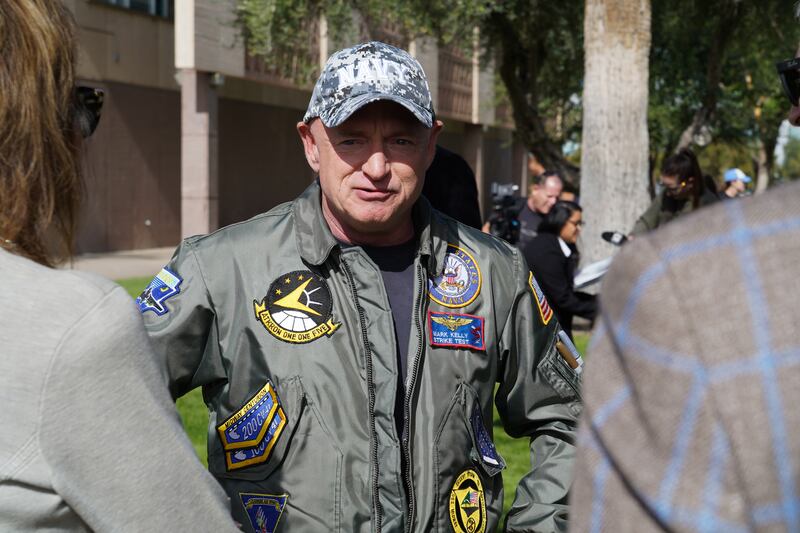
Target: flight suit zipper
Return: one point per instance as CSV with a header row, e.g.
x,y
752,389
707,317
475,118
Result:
x,y
373,444
407,402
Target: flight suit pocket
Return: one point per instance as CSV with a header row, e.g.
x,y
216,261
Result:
x,y
562,378
304,468
463,452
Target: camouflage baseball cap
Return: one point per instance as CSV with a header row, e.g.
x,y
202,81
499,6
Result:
x,y
366,73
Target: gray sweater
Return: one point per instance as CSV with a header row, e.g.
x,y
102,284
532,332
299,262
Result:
x,y
90,438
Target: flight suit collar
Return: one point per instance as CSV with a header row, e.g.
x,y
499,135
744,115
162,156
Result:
x,y
315,242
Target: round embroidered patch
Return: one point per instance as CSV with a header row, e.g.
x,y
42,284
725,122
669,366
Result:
x,y
460,283
297,308
468,504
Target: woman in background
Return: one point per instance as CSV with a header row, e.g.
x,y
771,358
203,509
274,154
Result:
x,y
91,439
553,256
683,190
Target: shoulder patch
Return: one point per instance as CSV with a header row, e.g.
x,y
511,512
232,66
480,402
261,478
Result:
x,y
453,330
249,435
460,282
545,311
165,285
468,504
263,510
297,308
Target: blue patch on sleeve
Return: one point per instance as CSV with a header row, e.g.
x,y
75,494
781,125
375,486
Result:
x,y
456,330
490,457
263,510
165,285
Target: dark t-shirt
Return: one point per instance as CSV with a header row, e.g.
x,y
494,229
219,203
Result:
x,y
396,264
529,221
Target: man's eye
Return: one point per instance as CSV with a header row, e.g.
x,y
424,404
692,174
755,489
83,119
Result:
x,y
404,142
349,142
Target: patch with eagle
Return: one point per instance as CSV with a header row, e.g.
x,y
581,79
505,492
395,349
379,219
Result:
x,y
460,281
454,330
297,308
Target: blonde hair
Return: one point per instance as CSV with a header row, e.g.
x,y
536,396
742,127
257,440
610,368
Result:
x,y
40,175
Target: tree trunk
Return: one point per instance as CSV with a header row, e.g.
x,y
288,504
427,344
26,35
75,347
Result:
x,y
614,161
762,168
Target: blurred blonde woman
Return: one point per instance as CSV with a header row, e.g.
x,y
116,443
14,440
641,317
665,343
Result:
x,y
90,438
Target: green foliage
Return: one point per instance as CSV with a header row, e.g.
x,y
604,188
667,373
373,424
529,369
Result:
x,y
713,62
790,170
194,415
134,286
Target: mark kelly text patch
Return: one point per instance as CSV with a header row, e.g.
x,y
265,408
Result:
x,y
455,330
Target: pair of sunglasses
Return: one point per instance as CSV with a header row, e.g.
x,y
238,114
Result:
x,y
88,103
789,72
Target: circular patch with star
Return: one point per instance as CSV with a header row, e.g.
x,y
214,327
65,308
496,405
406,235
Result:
x,y
297,308
459,283
467,504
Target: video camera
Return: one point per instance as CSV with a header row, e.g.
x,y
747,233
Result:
x,y
506,205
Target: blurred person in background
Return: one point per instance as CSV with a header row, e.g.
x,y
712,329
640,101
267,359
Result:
x,y
91,439
543,193
450,187
569,193
692,383
736,183
553,258
684,190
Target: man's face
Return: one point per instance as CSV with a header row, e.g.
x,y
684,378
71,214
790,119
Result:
x,y
544,196
371,169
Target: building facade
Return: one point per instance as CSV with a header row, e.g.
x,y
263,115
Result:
x,y
196,134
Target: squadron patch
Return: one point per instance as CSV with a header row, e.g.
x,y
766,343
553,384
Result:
x,y
467,504
545,311
249,435
263,510
456,331
460,283
165,285
297,308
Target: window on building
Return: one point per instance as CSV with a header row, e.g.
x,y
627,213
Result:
x,y
159,8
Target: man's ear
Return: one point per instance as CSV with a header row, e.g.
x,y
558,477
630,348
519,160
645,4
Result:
x,y
309,145
436,129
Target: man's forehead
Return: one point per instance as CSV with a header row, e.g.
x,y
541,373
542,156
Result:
x,y
388,114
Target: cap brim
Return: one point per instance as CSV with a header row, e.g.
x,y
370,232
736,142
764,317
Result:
x,y
337,114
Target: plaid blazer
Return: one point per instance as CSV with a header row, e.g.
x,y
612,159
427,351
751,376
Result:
x,y
692,382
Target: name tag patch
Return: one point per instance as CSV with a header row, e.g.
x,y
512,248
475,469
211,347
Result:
x,y
165,285
263,510
456,330
249,435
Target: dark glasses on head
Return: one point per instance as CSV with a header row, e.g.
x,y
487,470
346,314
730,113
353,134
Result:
x,y
89,103
789,72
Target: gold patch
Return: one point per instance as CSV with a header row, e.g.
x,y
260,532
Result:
x,y
468,504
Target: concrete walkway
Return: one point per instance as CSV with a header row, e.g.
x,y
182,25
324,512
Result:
x,y
124,264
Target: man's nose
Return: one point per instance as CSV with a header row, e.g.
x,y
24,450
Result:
x,y
377,164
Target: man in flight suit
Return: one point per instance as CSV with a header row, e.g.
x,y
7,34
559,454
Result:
x,y
348,343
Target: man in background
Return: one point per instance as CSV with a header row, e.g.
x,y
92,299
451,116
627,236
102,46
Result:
x,y
543,193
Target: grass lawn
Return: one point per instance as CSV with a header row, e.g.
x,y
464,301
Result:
x,y
195,418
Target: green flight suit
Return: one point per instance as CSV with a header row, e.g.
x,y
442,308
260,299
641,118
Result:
x,y
291,338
